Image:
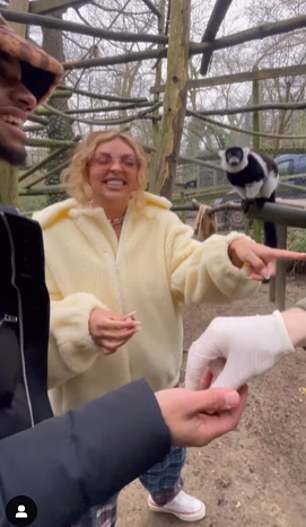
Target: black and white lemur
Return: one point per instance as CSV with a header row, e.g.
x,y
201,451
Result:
x,y
255,177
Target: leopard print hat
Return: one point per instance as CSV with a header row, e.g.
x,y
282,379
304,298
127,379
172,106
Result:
x,y
40,72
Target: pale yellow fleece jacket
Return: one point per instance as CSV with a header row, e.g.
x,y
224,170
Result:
x,y
154,268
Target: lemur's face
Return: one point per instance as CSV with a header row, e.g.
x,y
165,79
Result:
x,y
234,156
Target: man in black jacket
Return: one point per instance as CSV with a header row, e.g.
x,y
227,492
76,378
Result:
x,y
28,76
66,464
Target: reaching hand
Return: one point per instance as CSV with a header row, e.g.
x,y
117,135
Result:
x,y
248,346
196,418
259,259
110,331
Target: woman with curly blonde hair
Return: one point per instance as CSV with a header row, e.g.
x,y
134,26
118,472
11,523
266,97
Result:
x,y
119,267
76,175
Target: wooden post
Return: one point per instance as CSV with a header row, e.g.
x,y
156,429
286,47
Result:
x,y
280,280
164,162
256,115
256,145
21,6
156,129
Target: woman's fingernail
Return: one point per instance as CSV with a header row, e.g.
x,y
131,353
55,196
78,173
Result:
x,y
231,399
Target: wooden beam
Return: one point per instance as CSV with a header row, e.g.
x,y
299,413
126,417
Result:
x,y
50,189
23,7
174,107
265,73
254,33
242,130
108,108
217,16
151,6
38,166
102,96
245,76
133,56
279,214
51,143
48,6
81,29
255,108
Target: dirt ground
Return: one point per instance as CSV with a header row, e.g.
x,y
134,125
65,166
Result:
x,y
255,476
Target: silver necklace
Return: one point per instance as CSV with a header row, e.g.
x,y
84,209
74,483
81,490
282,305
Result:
x,y
117,221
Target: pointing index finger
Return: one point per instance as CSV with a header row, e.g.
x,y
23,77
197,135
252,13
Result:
x,y
283,254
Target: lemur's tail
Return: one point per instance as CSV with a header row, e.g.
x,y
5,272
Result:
x,y
270,235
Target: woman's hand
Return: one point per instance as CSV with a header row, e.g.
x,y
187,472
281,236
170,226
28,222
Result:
x,y
236,349
260,260
110,331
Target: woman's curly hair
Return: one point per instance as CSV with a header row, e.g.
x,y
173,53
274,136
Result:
x,y
76,174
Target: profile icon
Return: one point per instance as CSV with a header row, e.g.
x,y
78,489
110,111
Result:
x,y
21,511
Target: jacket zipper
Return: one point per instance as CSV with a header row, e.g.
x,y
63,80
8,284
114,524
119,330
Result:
x,y
119,283
117,259
21,332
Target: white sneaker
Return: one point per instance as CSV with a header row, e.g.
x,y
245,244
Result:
x,y
183,506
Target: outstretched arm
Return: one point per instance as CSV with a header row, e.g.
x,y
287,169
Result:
x,y
220,269
70,463
90,454
244,347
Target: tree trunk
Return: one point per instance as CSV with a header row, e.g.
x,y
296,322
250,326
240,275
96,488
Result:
x,y
58,127
165,161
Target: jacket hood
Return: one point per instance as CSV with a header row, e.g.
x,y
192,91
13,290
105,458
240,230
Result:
x,y
57,211
157,201
54,212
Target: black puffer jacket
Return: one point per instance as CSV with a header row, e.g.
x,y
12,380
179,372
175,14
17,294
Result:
x,y
24,324
70,463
